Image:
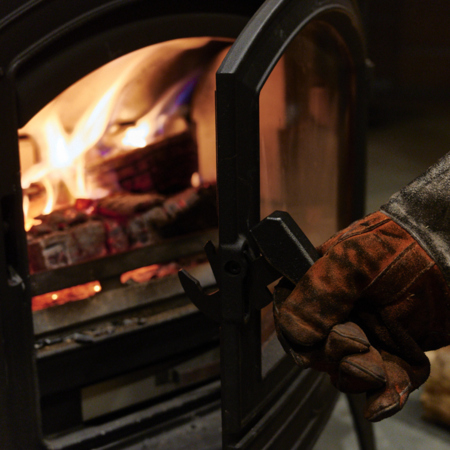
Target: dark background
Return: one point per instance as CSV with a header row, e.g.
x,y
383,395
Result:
x,y
409,43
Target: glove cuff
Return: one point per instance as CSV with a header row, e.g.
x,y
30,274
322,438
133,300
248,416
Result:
x,y
422,208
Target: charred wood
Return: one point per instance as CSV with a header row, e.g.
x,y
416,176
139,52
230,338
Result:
x,y
164,166
61,248
118,223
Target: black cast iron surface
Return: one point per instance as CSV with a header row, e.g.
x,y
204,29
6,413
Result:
x,y
45,46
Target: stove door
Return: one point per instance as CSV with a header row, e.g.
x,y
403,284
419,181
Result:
x,y
290,135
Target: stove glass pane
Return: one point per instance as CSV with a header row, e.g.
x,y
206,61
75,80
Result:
x,y
305,111
305,108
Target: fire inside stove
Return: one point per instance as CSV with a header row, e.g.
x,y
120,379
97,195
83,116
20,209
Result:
x,y
123,159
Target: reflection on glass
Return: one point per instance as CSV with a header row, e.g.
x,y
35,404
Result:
x,y
304,116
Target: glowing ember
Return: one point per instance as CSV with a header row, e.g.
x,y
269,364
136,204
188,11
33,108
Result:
x,y
148,273
85,291
71,294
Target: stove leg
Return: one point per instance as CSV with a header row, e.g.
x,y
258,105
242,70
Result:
x,y
363,428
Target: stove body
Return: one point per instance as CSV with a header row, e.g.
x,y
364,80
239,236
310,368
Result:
x,y
48,46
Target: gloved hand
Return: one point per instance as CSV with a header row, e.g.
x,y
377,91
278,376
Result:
x,y
373,276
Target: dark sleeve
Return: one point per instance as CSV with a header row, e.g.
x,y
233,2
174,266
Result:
x,y
423,209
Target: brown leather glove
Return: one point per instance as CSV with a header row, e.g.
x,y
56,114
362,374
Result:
x,y
376,276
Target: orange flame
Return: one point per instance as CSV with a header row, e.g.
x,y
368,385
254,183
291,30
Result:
x,y
87,116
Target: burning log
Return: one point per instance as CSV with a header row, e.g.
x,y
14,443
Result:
x,y
73,293
144,229
116,239
115,224
165,166
191,210
148,273
124,204
129,229
62,248
61,219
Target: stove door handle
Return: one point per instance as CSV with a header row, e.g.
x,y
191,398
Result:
x,y
209,304
286,251
284,245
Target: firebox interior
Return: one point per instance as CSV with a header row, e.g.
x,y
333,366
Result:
x,y
123,158
118,177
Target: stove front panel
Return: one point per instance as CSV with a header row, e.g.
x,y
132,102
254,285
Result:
x,y
46,47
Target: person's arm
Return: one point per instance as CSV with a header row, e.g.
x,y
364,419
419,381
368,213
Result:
x,y
423,209
387,275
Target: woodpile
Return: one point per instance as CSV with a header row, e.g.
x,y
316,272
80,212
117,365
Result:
x,y
117,223
66,247
435,397
150,199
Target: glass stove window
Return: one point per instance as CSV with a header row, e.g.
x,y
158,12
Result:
x,y
305,108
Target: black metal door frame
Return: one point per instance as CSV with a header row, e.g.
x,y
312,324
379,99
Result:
x,y
246,393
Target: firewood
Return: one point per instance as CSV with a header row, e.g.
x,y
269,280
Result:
x,y
183,201
140,232
148,273
165,166
59,220
62,248
73,293
35,190
90,238
51,251
156,217
117,223
191,210
122,205
116,239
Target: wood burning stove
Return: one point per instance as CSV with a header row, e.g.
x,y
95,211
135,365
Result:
x,y
290,135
